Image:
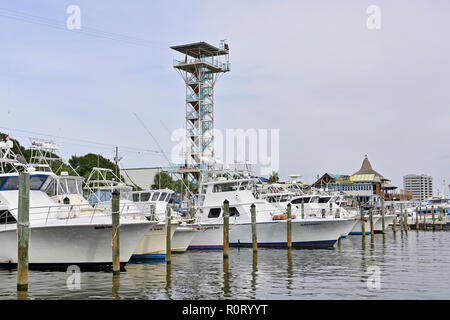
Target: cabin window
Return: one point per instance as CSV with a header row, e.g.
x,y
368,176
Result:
x,y
50,190
224,187
297,201
234,212
214,212
12,183
155,196
145,196
72,186
324,200
7,218
163,196
135,197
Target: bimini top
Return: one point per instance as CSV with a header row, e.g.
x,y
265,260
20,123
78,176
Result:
x,y
199,50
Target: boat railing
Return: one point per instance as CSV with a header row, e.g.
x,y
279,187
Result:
x,y
71,213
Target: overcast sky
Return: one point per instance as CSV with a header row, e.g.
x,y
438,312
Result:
x,y
312,69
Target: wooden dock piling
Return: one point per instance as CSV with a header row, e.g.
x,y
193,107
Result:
x,y
383,222
23,231
289,226
115,213
363,227
394,224
406,220
402,227
417,218
254,236
432,217
168,235
303,208
425,219
372,230
152,212
226,230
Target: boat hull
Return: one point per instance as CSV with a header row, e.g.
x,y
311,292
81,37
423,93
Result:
x,y
182,238
357,228
307,233
153,244
80,245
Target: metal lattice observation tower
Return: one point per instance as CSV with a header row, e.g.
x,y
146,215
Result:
x,y
202,66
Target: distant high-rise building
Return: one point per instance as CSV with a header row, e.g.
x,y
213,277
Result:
x,y
420,185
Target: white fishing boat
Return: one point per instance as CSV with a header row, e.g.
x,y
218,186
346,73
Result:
x,y
271,229
322,205
62,234
159,199
101,183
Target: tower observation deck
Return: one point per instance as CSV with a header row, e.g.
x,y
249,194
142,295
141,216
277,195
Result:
x,y
202,66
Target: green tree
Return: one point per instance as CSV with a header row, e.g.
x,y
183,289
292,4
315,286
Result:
x,y
180,186
273,178
84,164
162,180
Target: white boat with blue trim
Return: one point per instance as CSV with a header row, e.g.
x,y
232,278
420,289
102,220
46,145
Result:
x,y
271,227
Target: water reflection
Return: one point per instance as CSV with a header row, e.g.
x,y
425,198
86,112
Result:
x,y
116,287
269,274
226,278
22,295
254,273
289,271
168,280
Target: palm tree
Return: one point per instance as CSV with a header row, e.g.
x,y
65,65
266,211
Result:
x,y
162,180
273,178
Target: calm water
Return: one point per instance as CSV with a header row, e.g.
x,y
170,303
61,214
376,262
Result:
x,y
412,266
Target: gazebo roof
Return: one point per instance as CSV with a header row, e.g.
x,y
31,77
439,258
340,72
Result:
x,y
366,168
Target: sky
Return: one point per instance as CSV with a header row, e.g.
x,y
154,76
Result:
x,y
335,89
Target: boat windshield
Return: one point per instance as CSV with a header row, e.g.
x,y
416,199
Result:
x,y
163,196
145,196
155,196
233,186
12,182
324,199
70,186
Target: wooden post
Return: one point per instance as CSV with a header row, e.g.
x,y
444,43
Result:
x,y
406,220
363,227
254,237
152,212
192,212
303,208
226,230
338,213
115,203
168,235
417,218
432,216
424,218
331,208
383,223
441,217
289,226
402,227
394,224
372,231
23,231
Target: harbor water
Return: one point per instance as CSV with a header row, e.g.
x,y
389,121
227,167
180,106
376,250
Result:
x,y
411,265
